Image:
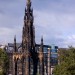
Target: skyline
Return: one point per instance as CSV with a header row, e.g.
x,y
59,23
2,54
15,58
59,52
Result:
x,y
54,20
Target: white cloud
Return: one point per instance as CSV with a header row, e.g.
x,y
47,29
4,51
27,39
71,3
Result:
x,y
10,26
71,37
54,19
7,34
54,26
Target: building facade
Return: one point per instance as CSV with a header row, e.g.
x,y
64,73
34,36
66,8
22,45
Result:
x,y
29,58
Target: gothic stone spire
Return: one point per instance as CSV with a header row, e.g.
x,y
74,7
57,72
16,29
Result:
x,y
41,58
28,4
15,48
28,28
28,37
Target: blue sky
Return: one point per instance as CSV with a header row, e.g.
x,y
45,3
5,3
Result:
x,y
53,19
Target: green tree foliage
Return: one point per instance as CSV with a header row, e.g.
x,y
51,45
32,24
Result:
x,y
3,62
67,63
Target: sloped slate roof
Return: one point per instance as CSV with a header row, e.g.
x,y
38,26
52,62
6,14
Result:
x,y
12,45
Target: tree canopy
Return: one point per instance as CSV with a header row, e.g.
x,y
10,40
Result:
x,y
3,62
67,63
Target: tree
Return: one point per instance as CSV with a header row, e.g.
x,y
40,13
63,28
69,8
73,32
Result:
x,y
67,63
3,62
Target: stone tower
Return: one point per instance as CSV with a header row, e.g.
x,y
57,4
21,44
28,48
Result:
x,y
28,41
41,58
28,36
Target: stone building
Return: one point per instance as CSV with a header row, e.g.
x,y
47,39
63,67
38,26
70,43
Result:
x,y
29,58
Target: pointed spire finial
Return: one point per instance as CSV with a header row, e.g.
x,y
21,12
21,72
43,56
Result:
x,y
15,43
42,39
28,3
15,38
